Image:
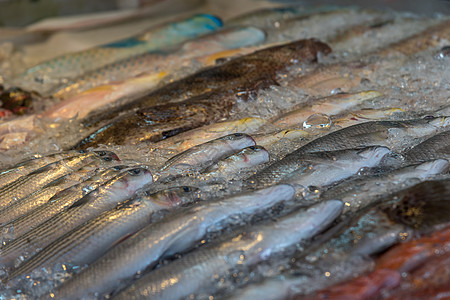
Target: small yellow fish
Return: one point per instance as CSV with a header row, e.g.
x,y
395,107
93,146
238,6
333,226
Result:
x,y
331,105
204,134
365,115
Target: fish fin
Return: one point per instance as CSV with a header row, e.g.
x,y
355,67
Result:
x,y
79,202
423,205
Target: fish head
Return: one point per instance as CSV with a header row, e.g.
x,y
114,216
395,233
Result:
x,y
374,154
438,122
176,196
133,179
107,156
299,50
238,140
433,167
256,152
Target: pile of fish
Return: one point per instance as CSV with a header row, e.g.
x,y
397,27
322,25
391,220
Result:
x,y
288,153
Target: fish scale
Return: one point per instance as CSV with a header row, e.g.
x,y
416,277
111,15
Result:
x,y
435,147
26,185
88,241
105,197
175,234
57,203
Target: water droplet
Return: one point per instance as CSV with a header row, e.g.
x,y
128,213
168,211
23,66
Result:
x,y
336,91
317,121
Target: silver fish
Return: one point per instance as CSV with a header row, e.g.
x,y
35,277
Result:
x,y
176,233
201,156
318,168
26,167
89,241
393,134
103,198
365,191
246,158
55,204
200,272
40,197
34,181
435,147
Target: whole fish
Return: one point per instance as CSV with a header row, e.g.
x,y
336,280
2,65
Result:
x,y
366,115
247,157
366,191
269,139
215,262
28,166
43,195
56,204
238,78
89,241
155,61
201,156
318,168
393,134
191,138
48,74
34,181
176,233
437,146
330,105
103,198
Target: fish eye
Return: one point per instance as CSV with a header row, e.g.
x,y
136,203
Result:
x,y
238,134
186,189
252,148
107,158
101,153
428,117
118,168
135,171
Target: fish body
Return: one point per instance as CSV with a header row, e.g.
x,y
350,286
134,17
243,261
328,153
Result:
x,y
210,94
62,200
24,168
318,168
43,195
174,234
269,139
331,105
247,157
201,156
213,262
363,192
366,115
191,138
155,61
103,198
89,241
49,73
437,146
383,133
34,181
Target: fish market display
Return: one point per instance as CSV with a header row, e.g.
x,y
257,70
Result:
x,y
288,152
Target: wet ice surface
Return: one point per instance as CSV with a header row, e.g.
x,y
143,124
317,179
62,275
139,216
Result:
x,y
418,84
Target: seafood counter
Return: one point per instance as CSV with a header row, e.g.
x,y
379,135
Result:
x,y
297,152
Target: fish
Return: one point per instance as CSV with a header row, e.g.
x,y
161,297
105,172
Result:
x,y
43,195
246,158
392,134
269,139
202,92
105,197
89,241
437,146
369,190
176,233
330,105
26,167
56,204
215,262
165,59
52,72
34,181
318,168
204,155
191,138
366,115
